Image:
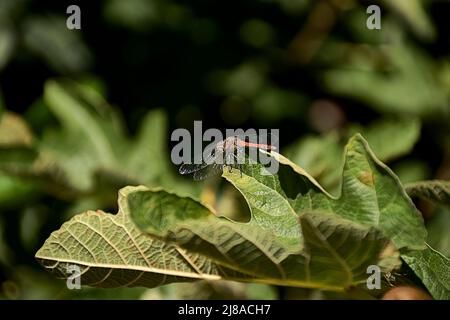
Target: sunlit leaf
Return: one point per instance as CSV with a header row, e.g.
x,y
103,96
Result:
x,y
371,194
433,269
326,259
111,252
14,131
416,16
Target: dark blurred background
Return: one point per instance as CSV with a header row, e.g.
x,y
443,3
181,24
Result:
x,y
86,112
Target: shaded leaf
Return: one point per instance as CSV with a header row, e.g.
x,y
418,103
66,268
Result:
x,y
7,42
49,38
433,190
320,156
89,155
13,191
392,138
411,170
79,121
438,231
407,85
149,144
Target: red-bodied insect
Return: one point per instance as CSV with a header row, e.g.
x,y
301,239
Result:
x,y
228,152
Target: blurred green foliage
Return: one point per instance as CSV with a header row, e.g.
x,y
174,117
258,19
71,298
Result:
x,y
84,113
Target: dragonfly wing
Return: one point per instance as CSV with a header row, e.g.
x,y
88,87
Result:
x,y
208,171
188,168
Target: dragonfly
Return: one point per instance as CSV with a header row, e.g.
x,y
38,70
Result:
x,y
228,152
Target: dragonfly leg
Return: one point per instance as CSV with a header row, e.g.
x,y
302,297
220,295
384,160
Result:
x,y
229,161
238,163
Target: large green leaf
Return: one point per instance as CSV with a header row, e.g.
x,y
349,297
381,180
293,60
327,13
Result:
x,y
370,180
433,269
112,252
371,194
327,259
432,190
